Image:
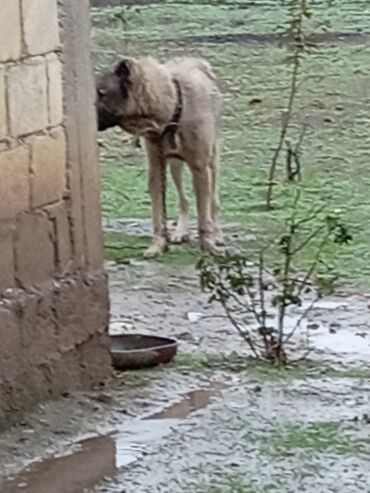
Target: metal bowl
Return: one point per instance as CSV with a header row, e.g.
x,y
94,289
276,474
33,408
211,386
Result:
x,y
134,351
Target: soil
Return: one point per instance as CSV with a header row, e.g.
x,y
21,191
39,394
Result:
x,y
215,423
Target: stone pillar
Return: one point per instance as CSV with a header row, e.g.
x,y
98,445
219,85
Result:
x,y
53,290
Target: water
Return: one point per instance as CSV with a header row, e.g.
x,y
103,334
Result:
x,y
90,461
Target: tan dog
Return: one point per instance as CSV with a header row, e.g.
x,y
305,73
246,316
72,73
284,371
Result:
x,y
176,107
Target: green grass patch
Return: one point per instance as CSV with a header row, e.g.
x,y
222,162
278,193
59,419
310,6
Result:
x,y
121,248
199,361
161,21
334,98
316,437
236,485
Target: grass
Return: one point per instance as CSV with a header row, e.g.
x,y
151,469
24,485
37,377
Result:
x,y
122,248
316,437
162,22
299,441
334,98
201,361
237,485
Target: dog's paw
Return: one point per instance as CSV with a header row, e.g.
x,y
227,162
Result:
x,y
218,236
179,236
210,246
219,240
158,247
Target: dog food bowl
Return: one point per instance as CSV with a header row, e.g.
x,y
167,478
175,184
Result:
x,y
134,351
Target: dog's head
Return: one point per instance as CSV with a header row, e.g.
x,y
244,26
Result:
x,y
112,93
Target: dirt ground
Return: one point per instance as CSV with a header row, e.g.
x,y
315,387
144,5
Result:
x,y
204,424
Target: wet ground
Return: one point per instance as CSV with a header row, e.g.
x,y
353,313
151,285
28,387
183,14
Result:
x,y
198,426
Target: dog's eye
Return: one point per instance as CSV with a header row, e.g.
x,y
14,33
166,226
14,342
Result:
x,y
101,93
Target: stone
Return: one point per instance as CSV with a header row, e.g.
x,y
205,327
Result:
x,y
38,328
55,90
48,164
7,278
10,344
59,216
34,249
40,24
3,112
28,101
10,30
14,182
81,307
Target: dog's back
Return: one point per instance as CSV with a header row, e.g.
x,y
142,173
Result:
x,y
199,85
186,65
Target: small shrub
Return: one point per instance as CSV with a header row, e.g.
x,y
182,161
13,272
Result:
x,y
256,299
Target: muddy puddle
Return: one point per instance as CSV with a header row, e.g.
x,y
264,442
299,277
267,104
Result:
x,y
193,401
99,458
89,462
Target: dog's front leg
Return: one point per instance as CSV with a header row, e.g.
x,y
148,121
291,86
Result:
x,y
157,184
181,233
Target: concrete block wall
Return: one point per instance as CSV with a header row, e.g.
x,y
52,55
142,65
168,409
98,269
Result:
x,y
53,289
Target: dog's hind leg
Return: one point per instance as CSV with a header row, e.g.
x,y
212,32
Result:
x,y
202,181
215,200
181,233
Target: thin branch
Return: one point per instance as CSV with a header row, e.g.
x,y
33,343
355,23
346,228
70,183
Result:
x,y
312,268
297,33
283,133
285,282
308,239
262,299
310,217
241,332
300,320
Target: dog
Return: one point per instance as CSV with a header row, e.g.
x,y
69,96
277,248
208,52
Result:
x,y
176,108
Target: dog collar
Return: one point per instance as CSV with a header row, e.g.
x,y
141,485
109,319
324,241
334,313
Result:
x,y
171,128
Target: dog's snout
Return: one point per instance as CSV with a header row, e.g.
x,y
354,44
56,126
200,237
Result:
x,y
105,119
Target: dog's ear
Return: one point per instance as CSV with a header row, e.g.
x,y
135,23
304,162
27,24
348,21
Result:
x,y
123,69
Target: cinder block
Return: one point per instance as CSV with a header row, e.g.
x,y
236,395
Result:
x,y
34,249
6,256
10,346
59,216
3,114
55,90
40,25
14,182
70,313
28,99
38,328
10,30
96,359
48,164
79,320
